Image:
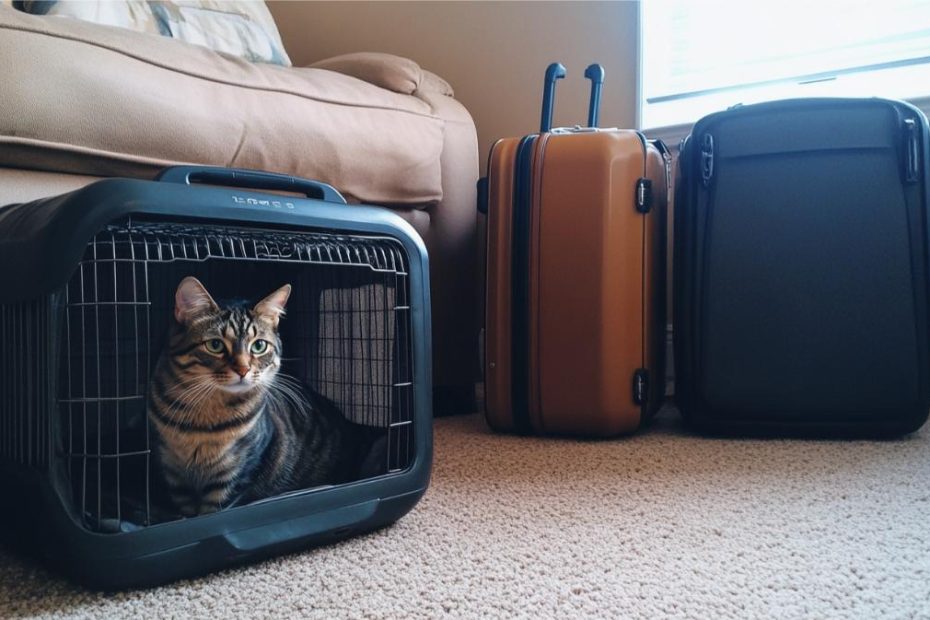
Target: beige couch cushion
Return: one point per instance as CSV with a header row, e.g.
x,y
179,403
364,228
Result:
x,y
243,28
396,73
91,99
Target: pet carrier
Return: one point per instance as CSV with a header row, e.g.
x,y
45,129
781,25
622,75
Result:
x,y
87,291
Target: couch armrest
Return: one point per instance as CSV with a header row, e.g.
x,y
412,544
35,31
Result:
x,y
430,82
394,73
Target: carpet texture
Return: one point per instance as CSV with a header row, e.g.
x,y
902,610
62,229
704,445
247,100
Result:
x,y
663,524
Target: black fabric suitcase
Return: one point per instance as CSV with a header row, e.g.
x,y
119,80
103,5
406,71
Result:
x,y
800,269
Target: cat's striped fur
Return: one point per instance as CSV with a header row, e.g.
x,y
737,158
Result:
x,y
230,427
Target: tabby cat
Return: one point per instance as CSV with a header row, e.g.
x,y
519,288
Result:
x,y
231,428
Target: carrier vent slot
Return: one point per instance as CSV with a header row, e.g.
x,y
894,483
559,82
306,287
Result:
x,y
25,388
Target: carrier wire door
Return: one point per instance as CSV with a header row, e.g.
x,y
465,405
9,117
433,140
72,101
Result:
x,y
346,334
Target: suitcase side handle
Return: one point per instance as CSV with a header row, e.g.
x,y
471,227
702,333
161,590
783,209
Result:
x,y
250,179
595,73
555,71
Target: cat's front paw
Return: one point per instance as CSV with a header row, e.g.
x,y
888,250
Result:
x,y
206,509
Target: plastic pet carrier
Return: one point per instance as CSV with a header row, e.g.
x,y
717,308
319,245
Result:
x,y
87,295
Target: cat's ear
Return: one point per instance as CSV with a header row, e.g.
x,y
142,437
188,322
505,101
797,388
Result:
x,y
272,307
192,300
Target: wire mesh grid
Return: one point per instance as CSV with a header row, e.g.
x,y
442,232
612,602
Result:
x,y
347,335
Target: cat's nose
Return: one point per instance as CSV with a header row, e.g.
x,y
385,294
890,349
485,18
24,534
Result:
x,y
242,371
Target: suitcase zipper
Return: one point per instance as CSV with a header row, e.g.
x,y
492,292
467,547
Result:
x,y
643,205
519,356
667,160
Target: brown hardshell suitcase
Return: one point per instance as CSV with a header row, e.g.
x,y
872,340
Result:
x,y
575,319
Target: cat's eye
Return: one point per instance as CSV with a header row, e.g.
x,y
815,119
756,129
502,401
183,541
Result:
x,y
259,347
215,346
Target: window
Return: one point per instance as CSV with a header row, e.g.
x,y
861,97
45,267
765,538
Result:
x,y
700,57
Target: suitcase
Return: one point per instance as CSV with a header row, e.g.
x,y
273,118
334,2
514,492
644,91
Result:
x,y
800,276
576,270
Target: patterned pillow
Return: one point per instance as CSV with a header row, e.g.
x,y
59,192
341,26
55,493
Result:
x,y
241,28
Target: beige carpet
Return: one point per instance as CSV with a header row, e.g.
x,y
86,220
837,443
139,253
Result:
x,y
659,525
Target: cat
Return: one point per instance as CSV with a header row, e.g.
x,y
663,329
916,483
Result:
x,y
231,428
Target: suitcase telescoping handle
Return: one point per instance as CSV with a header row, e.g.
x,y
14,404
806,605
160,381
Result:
x,y
595,73
555,71
250,179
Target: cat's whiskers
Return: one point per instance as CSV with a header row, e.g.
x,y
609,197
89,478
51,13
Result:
x,y
179,398
285,382
291,393
289,384
287,379
189,399
193,406
285,398
187,381
288,399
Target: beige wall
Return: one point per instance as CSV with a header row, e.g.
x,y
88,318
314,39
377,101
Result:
x,y
493,53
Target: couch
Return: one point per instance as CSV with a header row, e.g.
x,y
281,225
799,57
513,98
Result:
x,y
80,101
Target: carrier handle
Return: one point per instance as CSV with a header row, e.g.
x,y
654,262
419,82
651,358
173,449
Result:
x,y
595,73
252,179
555,71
